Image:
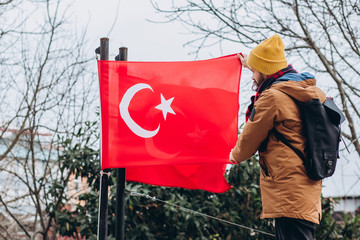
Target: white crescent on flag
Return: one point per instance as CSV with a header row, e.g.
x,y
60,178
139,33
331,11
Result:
x,y
124,111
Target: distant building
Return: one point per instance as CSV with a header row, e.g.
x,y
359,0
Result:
x,y
16,177
344,185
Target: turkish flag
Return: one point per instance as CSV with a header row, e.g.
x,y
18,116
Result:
x,y
170,123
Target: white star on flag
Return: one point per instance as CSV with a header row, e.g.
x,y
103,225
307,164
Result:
x,y
165,107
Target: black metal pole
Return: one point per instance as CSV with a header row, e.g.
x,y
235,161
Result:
x,y
104,179
120,181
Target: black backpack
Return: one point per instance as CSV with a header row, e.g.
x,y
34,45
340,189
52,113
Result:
x,y
321,126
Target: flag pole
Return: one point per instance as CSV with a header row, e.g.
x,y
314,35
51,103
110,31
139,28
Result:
x,y
104,178
120,180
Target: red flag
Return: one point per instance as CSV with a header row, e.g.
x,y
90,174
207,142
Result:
x,y
170,123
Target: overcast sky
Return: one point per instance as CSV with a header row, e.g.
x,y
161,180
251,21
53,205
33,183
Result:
x,y
126,23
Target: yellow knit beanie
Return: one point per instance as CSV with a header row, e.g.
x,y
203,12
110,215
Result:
x,y
269,56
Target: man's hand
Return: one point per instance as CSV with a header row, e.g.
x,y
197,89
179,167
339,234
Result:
x,y
231,157
243,59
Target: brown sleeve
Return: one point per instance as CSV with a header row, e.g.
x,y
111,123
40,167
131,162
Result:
x,y
257,128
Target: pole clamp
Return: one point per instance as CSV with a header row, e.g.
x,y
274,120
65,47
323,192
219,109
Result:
x,y
102,173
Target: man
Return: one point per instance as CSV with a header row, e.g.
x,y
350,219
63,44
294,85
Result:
x,y
287,193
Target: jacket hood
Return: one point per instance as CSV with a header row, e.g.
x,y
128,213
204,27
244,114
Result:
x,y
297,77
300,86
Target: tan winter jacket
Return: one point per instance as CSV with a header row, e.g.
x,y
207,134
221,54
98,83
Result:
x,y
286,190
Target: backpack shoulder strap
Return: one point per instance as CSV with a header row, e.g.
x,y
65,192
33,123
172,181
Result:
x,y
281,138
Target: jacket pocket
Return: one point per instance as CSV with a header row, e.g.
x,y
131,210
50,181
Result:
x,y
264,168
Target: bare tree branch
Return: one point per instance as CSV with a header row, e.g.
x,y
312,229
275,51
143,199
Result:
x,y
46,94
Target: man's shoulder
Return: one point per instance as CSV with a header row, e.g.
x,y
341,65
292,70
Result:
x,y
273,92
272,96
303,91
